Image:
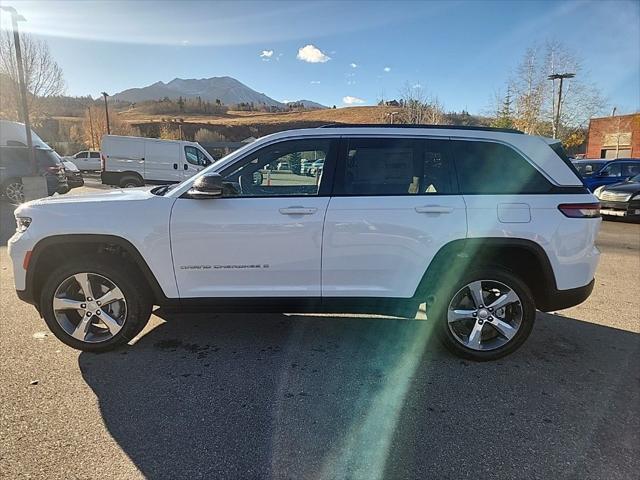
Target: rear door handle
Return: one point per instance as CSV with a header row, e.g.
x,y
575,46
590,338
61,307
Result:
x,y
298,210
434,209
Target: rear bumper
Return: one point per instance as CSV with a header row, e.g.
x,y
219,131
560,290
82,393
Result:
x,y
561,299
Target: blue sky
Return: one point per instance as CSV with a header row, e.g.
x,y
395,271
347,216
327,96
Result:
x,y
461,51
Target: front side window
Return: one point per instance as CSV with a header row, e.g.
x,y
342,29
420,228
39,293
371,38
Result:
x,y
492,169
612,170
195,156
392,166
94,154
276,170
81,155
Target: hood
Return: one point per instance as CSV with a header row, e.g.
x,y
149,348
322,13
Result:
x,y
628,187
129,194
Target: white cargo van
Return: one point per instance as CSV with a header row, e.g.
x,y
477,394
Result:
x,y
134,161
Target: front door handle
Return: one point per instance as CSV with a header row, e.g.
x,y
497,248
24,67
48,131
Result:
x,y
175,166
186,167
434,209
298,210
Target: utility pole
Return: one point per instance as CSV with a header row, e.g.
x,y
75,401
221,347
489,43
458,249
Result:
x,y
106,111
15,17
91,127
561,77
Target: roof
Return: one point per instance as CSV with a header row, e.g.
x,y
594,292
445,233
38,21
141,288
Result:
x,y
421,126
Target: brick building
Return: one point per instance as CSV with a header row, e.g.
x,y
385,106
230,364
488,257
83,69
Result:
x,y
614,137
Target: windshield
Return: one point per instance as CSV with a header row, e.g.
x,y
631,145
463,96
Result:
x,y
586,169
635,178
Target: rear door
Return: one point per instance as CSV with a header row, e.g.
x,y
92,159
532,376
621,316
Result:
x,y
163,161
123,154
394,205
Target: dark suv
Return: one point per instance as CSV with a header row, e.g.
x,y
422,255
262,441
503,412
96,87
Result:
x,y
14,164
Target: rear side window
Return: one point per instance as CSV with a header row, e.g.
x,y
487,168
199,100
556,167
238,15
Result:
x,y
390,166
492,169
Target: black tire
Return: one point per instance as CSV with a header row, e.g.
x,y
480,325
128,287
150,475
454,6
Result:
x,y
439,311
130,181
11,188
132,285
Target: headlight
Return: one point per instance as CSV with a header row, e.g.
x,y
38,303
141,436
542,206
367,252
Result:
x,y
598,191
22,223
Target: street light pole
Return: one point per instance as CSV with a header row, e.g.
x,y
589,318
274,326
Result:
x,y
15,17
106,111
553,77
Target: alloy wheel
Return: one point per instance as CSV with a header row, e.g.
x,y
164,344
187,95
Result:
x,y
14,192
484,315
89,307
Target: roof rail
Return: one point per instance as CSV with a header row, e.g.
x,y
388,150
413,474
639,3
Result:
x,y
432,127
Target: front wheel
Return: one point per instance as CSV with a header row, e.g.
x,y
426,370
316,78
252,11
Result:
x,y
485,315
94,305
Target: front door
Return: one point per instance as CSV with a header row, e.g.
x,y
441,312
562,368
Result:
x,y
196,160
395,205
263,238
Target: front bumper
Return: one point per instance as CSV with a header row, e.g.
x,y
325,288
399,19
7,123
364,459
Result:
x,y
620,209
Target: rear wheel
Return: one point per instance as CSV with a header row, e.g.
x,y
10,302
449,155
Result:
x,y
130,182
485,315
13,190
93,305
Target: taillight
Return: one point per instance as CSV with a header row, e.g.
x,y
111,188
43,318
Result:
x,y
580,210
103,162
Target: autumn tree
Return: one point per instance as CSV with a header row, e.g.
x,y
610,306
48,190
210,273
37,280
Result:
x,y
418,108
534,97
94,126
43,76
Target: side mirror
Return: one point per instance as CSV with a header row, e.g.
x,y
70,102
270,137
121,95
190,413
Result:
x,y
207,186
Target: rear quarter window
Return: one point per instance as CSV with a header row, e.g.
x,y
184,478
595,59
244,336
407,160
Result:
x,y
493,169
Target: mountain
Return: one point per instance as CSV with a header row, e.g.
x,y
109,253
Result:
x,y
308,104
226,89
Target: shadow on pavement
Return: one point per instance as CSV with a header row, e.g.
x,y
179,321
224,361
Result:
x,y
276,396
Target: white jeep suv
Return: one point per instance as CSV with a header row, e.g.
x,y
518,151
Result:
x,y
482,225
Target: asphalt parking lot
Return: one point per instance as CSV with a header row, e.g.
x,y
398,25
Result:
x,y
328,397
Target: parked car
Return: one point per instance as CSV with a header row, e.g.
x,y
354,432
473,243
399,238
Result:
x,y
305,166
86,161
587,167
283,165
613,172
620,199
482,225
15,163
134,161
316,167
73,174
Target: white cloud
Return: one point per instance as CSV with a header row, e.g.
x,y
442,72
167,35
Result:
x,y
387,69
349,100
315,82
266,55
184,43
312,54
353,65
